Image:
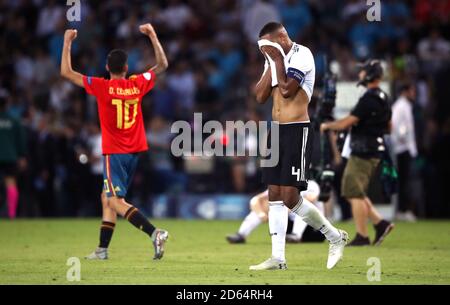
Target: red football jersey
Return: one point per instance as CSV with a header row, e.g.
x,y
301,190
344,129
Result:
x,y
119,108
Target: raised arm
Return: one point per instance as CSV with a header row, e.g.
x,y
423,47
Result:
x,y
288,86
342,124
263,88
66,61
161,59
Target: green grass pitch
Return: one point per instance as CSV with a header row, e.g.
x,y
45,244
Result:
x,y
36,252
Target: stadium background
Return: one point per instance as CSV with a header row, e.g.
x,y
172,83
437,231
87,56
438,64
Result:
x,y
214,64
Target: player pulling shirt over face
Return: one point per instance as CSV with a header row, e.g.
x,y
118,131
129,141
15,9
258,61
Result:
x,y
289,79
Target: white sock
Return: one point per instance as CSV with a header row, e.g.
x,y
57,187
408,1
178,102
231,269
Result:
x,y
278,221
249,224
312,216
299,225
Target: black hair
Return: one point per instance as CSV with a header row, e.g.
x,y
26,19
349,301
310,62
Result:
x,y
117,60
270,28
405,86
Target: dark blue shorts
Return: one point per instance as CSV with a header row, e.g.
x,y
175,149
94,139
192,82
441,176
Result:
x,y
118,171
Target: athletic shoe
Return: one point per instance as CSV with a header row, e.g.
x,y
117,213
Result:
x,y
159,241
270,264
381,231
359,240
236,239
336,250
293,239
98,254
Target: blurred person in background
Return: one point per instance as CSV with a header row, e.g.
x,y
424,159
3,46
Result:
x,y
433,50
182,83
96,166
164,176
405,147
259,209
12,155
256,14
369,122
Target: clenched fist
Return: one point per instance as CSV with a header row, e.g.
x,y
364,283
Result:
x,y
147,29
70,35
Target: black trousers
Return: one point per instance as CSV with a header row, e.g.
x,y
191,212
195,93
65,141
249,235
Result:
x,y
404,161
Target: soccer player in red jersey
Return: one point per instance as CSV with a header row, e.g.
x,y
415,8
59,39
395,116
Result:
x,y
123,134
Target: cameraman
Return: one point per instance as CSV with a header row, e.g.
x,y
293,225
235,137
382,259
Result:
x,y
369,121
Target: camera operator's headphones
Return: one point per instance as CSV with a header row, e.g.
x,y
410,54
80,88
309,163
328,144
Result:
x,y
373,70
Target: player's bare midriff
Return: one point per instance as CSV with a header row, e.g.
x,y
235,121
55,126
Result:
x,y
290,110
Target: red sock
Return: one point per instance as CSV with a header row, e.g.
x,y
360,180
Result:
x,y
12,199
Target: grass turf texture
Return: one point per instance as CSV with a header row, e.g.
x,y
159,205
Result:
x,y
36,251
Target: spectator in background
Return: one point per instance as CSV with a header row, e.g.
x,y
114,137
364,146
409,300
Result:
x,y
127,27
353,8
206,98
362,37
12,153
42,155
296,16
227,57
430,11
45,67
405,148
60,94
257,15
176,15
165,178
24,69
433,50
49,18
96,166
164,100
182,82
394,14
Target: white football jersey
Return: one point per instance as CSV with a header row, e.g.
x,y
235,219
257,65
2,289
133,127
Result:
x,y
299,64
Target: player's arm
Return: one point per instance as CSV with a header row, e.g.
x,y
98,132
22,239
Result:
x,y
263,88
66,60
287,85
161,60
342,124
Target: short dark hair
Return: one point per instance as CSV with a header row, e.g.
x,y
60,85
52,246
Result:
x,y
117,60
405,86
270,28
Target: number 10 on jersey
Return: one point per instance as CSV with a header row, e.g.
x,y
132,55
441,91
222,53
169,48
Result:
x,y
124,120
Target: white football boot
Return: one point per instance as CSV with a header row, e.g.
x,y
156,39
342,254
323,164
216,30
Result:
x,y
270,264
98,254
336,250
161,236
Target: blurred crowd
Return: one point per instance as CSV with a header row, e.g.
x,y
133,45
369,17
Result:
x,y
214,64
